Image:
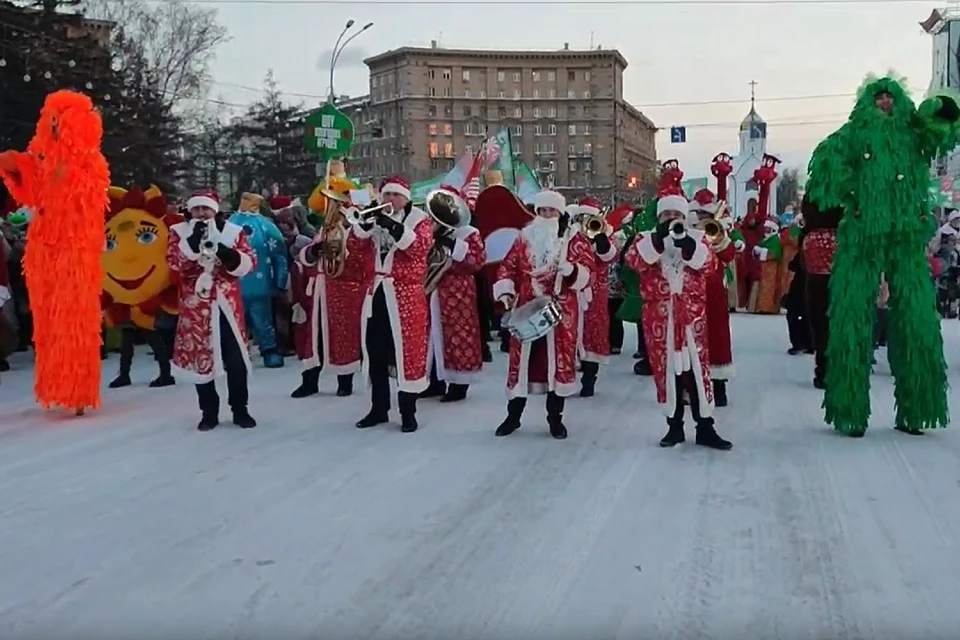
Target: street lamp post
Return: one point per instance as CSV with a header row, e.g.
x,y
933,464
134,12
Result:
x,y
338,49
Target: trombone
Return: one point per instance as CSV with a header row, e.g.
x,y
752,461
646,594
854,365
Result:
x,y
711,227
594,225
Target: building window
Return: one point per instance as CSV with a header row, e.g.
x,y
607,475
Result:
x,y
572,150
586,76
586,129
586,111
483,94
432,111
501,112
517,130
516,76
536,93
468,128
536,76
517,112
571,93
446,92
552,112
537,113
551,76
467,112
572,165
501,94
466,75
466,93
552,129
571,110
446,74
537,130
553,93
468,149
483,129
432,129
448,111
433,74
483,112
586,94
587,148
571,129
571,76
434,150
448,129
588,165
433,92
448,149
516,94
501,76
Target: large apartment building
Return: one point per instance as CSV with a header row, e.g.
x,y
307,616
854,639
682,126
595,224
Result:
x,y
565,111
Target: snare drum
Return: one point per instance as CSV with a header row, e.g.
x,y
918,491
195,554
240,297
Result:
x,y
535,319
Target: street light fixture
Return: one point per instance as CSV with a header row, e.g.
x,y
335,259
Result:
x,y
338,49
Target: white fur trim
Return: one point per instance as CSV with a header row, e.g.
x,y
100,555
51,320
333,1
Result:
x,y
217,307
406,238
723,371
609,255
303,257
589,356
673,203
460,250
464,232
183,230
953,215
589,211
761,253
646,249
566,269
699,257
415,217
393,187
245,266
360,232
582,279
551,199
573,210
503,287
703,208
724,243
4,295
770,225
203,201
498,243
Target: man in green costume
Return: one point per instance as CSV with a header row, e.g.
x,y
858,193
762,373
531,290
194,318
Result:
x,y
876,168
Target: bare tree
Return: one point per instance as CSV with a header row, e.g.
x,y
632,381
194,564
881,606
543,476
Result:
x,y
177,39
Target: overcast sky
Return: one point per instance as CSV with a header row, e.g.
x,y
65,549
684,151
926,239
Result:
x,y
677,54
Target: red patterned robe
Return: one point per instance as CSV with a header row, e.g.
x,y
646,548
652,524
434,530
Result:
x,y
718,313
196,350
517,276
595,328
402,273
330,308
675,317
454,325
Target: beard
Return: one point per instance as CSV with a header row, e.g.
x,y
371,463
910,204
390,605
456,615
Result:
x,y
543,241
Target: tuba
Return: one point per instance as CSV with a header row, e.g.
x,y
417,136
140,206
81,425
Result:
x,y
448,215
333,243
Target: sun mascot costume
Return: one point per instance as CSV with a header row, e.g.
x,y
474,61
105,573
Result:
x,y
64,177
876,168
138,294
268,280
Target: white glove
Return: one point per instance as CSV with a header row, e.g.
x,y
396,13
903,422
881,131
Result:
x,y
758,251
506,300
739,245
566,269
299,314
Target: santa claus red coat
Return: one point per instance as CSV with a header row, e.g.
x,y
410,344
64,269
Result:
x,y
596,318
517,276
675,317
402,273
197,354
454,326
331,308
718,312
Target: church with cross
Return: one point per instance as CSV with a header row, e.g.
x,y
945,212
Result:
x,y
753,144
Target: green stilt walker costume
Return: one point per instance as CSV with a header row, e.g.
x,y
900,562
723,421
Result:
x,y
629,310
876,167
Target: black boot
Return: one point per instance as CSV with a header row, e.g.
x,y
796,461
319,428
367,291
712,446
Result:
x,y
126,361
485,352
514,412
707,436
819,383
165,379
455,393
436,389
675,434
379,405
720,393
909,431
243,419
588,382
310,384
345,385
407,403
122,380
555,416
4,365
208,422
642,367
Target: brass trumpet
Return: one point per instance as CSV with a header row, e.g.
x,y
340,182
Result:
x,y
594,225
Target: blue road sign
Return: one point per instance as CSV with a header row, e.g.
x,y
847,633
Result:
x,y
678,134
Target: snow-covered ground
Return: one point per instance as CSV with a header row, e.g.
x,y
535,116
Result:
x,y
128,523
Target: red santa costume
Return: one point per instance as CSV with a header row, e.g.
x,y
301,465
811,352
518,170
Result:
x,y
455,348
396,317
704,207
547,253
674,263
207,258
327,307
595,327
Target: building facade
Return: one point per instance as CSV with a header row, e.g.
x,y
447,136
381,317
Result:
x,y
565,111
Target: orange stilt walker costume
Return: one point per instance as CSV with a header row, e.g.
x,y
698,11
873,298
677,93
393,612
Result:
x,y
64,178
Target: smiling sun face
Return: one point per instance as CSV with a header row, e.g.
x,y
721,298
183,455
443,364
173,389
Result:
x,y
135,257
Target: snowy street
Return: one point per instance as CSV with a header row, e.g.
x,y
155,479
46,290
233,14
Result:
x,y
128,523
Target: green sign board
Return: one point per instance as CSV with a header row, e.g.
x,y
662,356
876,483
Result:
x,y
329,132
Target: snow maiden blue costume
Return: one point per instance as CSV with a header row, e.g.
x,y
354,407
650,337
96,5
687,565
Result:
x,y
267,280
